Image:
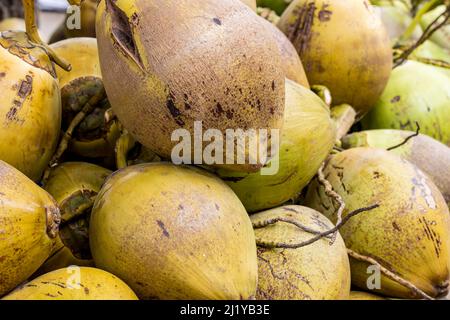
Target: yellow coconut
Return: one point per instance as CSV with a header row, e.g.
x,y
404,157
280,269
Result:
x,y
343,45
319,271
74,186
182,61
74,283
407,234
30,109
174,232
29,221
418,150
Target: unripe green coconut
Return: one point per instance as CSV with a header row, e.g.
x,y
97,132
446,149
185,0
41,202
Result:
x,y
431,156
307,138
30,105
442,35
74,186
184,61
430,50
174,232
29,219
74,283
416,92
343,45
319,271
408,233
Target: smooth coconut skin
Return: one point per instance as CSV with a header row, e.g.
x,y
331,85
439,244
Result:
x,y
77,86
29,220
74,186
95,284
408,233
174,232
431,156
343,45
431,50
185,61
292,65
319,271
308,136
30,111
416,92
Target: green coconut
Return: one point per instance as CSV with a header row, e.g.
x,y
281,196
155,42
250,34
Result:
x,y
416,151
319,271
416,92
307,138
407,234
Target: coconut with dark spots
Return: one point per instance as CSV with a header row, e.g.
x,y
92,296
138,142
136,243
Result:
x,y
184,61
74,283
307,138
408,234
416,92
74,186
291,63
30,108
29,219
343,45
430,155
174,232
319,271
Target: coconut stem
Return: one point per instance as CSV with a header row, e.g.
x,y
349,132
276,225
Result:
x,y
344,116
123,145
407,138
389,274
433,62
265,223
64,143
332,194
323,93
283,245
403,55
33,34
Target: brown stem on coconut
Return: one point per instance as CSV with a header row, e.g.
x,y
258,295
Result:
x,y
123,145
332,194
412,26
265,223
407,138
283,245
33,34
402,55
389,274
433,62
323,93
64,143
